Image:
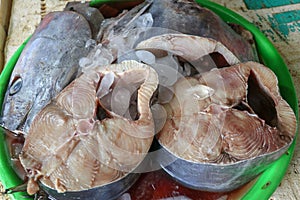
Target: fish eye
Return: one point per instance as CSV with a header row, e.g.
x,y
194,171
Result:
x,y
16,85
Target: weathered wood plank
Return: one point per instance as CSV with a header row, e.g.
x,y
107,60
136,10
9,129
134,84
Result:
x,y
5,8
2,43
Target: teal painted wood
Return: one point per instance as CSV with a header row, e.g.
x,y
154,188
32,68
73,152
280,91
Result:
x,y
287,17
259,4
286,22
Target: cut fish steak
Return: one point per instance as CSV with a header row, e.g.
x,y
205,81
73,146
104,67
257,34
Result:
x,y
224,127
227,115
189,47
188,17
76,143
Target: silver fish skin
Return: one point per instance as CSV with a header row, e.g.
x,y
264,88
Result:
x,y
188,17
93,15
47,64
178,16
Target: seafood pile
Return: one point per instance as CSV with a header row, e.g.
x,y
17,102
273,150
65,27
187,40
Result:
x,y
92,95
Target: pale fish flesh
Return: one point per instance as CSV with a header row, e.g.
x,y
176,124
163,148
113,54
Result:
x,y
78,144
47,64
193,49
225,126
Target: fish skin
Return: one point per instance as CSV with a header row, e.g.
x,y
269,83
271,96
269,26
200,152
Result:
x,y
47,64
179,16
213,135
186,16
93,15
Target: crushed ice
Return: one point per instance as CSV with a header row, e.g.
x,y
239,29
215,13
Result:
x,y
145,56
118,44
105,85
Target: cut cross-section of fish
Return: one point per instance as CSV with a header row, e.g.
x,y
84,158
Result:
x,y
229,84
264,98
189,47
225,120
71,150
189,17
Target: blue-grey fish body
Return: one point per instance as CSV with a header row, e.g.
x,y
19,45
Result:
x,y
186,16
47,64
179,16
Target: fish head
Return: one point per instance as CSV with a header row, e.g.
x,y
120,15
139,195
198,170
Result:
x,y
48,62
23,93
28,93
17,104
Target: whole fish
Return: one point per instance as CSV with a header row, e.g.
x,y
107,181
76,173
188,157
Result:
x,y
47,64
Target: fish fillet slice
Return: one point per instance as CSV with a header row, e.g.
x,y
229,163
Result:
x,y
68,135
